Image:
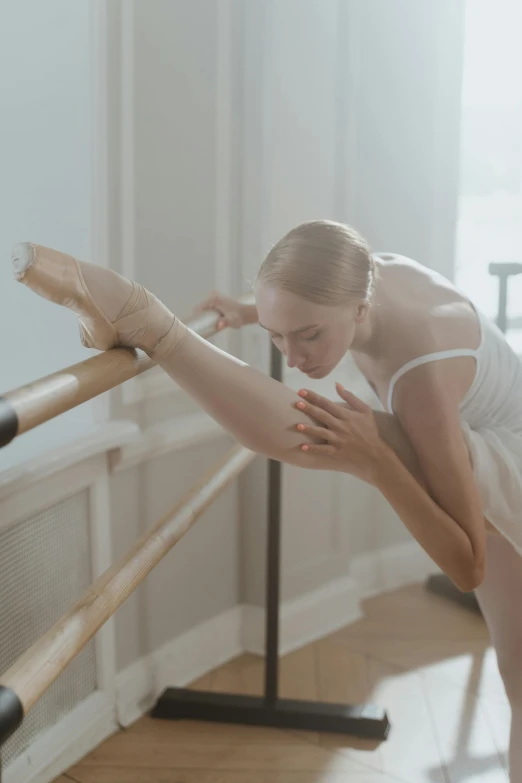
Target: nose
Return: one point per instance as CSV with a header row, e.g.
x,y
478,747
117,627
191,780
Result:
x,y
294,358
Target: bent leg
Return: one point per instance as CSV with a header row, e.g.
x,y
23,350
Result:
x,y
499,600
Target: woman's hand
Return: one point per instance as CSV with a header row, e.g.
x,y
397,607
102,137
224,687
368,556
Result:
x,y
350,440
232,313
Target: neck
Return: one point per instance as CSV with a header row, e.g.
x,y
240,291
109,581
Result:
x,y
367,335
367,340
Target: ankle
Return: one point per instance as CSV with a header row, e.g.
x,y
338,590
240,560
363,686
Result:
x,y
170,342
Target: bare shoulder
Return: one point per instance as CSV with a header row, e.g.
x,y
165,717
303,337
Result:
x,y
403,270
420,312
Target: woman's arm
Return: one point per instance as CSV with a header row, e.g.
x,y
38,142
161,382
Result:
x,y
447,520
453,542
233,312
428,410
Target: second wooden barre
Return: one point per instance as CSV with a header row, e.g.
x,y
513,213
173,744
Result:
x,y
27,679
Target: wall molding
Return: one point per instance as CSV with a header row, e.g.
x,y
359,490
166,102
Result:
x,y
99,68
306,618
177,663
223,189
394,566
101,439
39,496
148,386
166,437
99,133
131,390
127,142
101,559
348,86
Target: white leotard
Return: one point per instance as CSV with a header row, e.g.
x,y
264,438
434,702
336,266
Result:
x,y
491,418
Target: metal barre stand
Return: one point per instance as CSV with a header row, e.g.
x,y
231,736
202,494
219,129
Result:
x,y
364,720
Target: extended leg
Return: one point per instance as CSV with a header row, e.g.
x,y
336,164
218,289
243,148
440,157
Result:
x,y
254,408
258,411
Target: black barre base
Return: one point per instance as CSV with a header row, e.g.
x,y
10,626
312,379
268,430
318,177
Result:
x,y
365,720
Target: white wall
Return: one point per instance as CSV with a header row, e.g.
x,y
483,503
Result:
x,y
45,190
406,66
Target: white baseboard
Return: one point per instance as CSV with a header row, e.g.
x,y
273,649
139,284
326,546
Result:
x,y
178,663
390,568
305,619
253,629
198,651
65,743
135,692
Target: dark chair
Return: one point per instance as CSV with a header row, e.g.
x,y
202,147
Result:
x,y
504,271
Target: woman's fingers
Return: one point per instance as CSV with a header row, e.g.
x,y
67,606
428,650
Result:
x,y
354,402
210,303
319,414
333,408
228,310
321,433
325,449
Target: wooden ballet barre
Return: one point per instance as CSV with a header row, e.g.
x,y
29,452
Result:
x,y
29,406
32,674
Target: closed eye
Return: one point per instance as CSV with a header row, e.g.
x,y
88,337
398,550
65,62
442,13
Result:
x,y
313,337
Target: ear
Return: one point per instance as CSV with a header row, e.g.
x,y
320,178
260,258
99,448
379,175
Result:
x,y
361,311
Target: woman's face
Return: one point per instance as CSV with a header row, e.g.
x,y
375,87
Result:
x,y
313,337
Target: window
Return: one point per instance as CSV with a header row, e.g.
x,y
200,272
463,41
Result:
x,y
490,201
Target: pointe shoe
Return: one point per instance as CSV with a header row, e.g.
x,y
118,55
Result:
x,y
141,321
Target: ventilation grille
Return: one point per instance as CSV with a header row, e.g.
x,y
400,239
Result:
x,y
45,565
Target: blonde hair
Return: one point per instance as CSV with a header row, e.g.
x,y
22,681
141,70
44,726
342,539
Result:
x,y
322,261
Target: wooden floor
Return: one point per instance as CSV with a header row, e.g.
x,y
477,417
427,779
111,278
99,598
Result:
x,y
426,660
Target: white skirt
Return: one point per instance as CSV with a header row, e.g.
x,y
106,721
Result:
x,y
496,456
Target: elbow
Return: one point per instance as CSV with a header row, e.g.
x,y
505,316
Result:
x,y
478,574
472,570
471,577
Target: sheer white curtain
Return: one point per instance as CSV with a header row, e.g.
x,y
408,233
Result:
x,y
490,199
